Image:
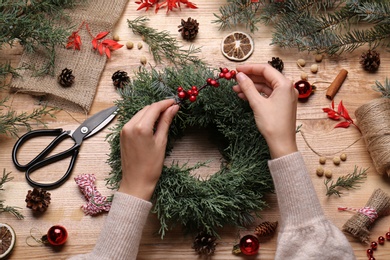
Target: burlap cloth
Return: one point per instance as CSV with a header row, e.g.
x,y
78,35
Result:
x,y
86,64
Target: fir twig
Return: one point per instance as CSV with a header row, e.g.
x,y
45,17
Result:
x,y
11,121
384,89
162,45
349,181
12,210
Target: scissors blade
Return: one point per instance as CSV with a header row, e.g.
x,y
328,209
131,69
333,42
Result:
x,y
94,124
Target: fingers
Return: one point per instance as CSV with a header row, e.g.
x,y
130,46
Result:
x,y
262,88
165,121
263,73
248,88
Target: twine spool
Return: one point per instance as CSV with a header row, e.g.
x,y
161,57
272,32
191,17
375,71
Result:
x,y
374,122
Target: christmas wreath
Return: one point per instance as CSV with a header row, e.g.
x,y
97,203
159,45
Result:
x,y
232,196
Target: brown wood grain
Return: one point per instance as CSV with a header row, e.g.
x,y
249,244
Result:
x,y
318,130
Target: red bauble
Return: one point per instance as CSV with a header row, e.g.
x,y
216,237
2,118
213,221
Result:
x,y
388,236
374,245
381,240
304,89
57,235
249,245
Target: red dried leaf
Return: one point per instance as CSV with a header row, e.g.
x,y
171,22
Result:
x,y
108,52
101,35
326,109
74,41
100,49
94,44
344,124
170,4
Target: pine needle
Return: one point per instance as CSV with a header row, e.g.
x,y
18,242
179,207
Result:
x,y
384,89
12,210
349,181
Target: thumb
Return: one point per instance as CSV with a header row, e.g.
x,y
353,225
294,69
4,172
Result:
x,y
248,88
165,121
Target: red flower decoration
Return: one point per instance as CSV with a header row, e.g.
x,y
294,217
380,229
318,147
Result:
x,y
340,113
170,4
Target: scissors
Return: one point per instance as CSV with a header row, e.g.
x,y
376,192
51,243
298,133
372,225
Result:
x,y
90,127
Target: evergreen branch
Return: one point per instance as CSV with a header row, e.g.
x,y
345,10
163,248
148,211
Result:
x,y
36,26
162,45
11,121
384,89
349,181
12,210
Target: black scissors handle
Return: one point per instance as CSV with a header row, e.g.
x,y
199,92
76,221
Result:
x,y
40,160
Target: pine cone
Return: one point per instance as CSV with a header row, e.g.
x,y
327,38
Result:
x,y
189,29
120,78
204,244
370,60
38,199
266,228
277,63
66,78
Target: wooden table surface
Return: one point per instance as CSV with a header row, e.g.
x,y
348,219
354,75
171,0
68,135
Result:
x,y
319,131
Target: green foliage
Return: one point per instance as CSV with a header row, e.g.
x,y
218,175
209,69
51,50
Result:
x,y
231,195
326,26
383,88
12,210
349,181
35,25
162,45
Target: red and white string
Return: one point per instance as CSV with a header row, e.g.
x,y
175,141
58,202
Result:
x,y
371,213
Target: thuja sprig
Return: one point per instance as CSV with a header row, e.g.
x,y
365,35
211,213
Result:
x,y
349,181
12,210
384,89
162,45
192,93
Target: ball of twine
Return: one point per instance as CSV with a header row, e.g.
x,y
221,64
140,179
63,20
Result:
x,y
374,122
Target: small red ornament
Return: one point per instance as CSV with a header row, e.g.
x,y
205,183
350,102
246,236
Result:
x,y
57,235
374,245
370,252
381,240
388,236
304,88
249,245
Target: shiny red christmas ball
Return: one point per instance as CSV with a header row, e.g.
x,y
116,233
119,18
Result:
x,y
57,235
249,245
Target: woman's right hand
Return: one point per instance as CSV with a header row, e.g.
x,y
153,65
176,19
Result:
x,y
273,100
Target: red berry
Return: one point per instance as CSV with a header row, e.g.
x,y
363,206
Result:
x,y
182,95
228,76
195,92
225,70
216,84
179,89
370,252
233,72
374,245
213,82
209,81
381,240
192,98
194,88
388,236
221,75
189,92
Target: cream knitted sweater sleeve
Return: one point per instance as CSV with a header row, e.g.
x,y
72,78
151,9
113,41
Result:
x,y
305,233
122,230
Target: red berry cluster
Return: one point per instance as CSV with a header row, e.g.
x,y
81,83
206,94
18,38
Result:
x,y
374,245
192,93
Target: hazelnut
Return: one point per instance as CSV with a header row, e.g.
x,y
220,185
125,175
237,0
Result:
x,y
116,37
336,160
129,45
322,160
301,62
343,157
314,68
143,60
139,45
318,57
304,76
320,171
328,174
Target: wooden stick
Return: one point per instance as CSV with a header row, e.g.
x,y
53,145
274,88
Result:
x,y
336,84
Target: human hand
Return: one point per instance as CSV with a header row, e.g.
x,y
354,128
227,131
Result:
x,y
143,142
275,110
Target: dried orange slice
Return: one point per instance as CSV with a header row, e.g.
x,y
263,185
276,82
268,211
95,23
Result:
x,y
7,240
237,46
